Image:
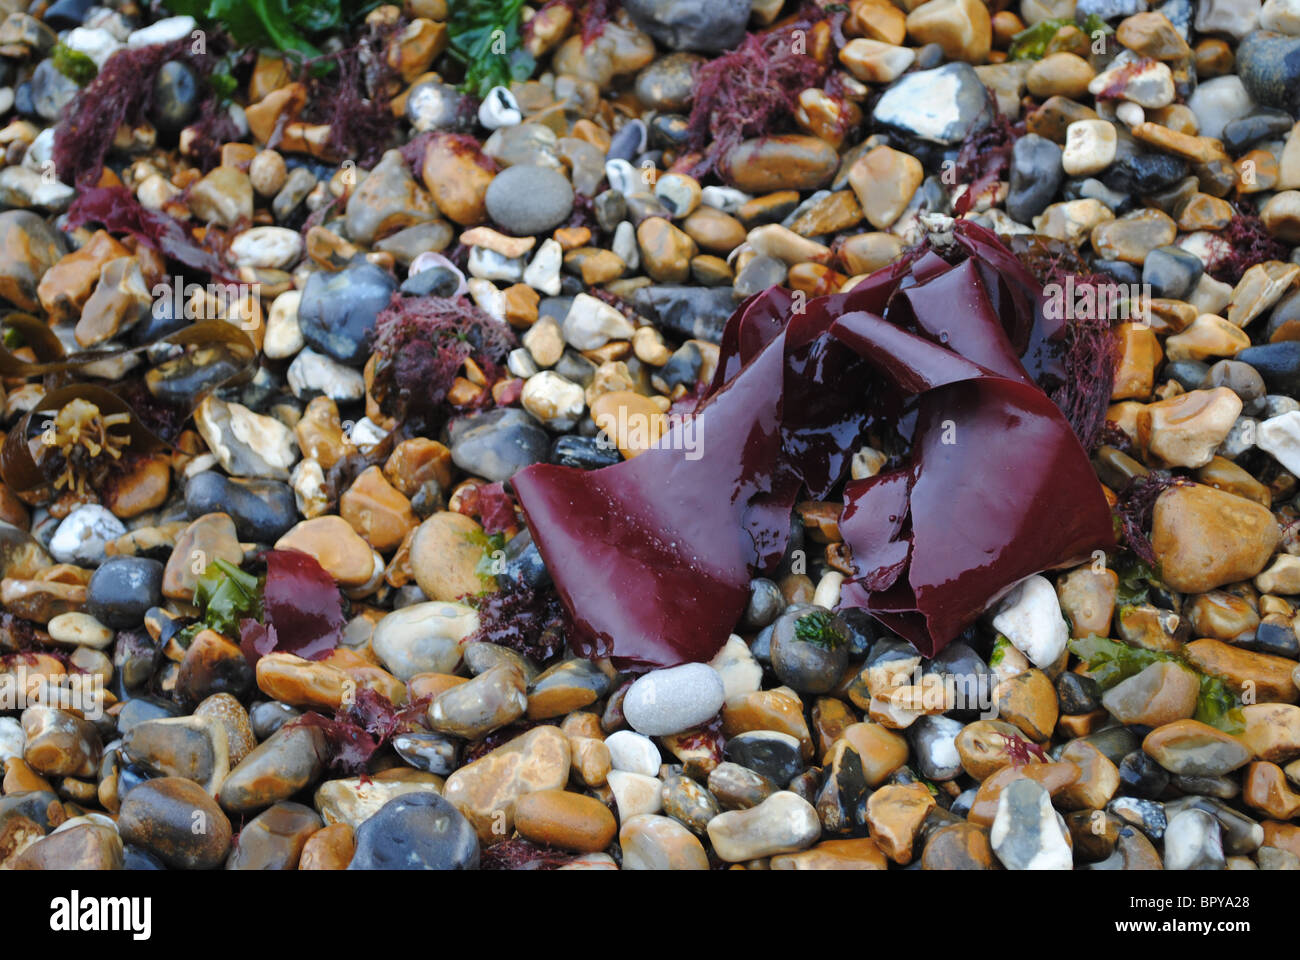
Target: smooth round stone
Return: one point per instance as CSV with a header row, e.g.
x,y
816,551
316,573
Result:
x,y
776,756
783,823
477,707
664,702
80,844
765,603
633,753
652,842
1189,374
1191,748
1036,175
497,444
423,638
806,666
1172,272
175,95
337,312
420,831
431,752
79,630
177,821
668,84
122,589
269,716
737,787
263,510
1193,841
527,200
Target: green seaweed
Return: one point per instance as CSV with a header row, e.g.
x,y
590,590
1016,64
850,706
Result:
x,y
1110,662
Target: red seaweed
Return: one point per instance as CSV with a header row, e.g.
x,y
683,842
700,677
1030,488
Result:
x,y
422,343
747,93
522,854
996,487
1240,245
527,621
301,606
122,93
118,211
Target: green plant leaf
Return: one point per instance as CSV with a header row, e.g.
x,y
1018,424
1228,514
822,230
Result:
x,y
227,595
819,628
1110,662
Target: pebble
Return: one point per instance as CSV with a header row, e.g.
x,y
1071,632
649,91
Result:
x,y
783,823
664,702
486,790
497,444
421,831
653,842
83,535
177,821
122,589
1027,833
941,105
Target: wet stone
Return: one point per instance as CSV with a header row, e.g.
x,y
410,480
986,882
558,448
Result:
x,y
337,313
416,832
122,589
274,839
161,816
262,510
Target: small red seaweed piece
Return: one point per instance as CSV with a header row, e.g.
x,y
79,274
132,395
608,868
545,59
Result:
x,y
748,92
121,93
493,506
985,158
1136,503
522,854
301,606
422,343
118,211
1240,245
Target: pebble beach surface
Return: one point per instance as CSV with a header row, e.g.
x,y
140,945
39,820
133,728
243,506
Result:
x,y
970,542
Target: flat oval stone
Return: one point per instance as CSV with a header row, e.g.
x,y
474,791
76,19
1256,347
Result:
x,y
1192,748
563,819
669,701
291,759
